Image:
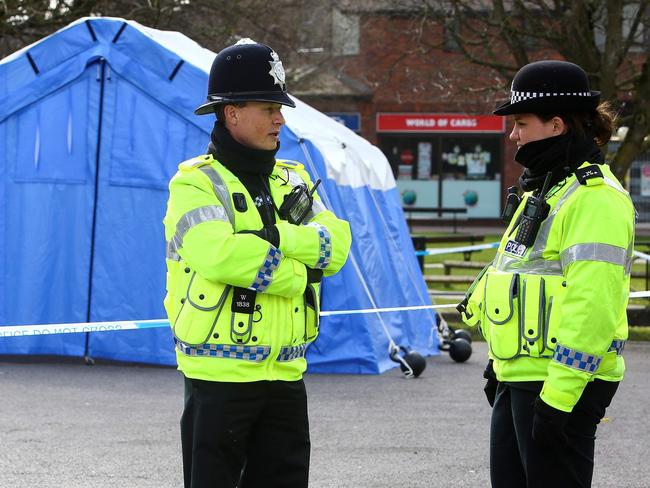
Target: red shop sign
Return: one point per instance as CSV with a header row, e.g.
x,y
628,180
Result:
x,y
419,122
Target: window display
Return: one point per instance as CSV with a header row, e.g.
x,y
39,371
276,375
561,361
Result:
x,y
447,170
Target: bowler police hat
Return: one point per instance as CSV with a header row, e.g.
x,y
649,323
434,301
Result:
x,y
246,71
547,87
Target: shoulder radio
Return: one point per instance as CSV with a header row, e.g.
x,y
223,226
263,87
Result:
x,y
534,213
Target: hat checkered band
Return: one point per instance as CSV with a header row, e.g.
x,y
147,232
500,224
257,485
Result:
x,y
325,252
289,353
247,353
576,359
518,96
264,275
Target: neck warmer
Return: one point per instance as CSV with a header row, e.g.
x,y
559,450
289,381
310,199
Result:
x,y
560,155
237,157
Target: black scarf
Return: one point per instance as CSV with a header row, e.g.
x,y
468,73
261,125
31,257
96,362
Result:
x,y
237,157
560,155
251,166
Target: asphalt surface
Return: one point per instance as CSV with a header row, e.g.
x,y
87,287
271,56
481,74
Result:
x,y
67,425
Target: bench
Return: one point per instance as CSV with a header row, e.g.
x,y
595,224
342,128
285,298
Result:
x,y
450,295
449,279
439,210
449,265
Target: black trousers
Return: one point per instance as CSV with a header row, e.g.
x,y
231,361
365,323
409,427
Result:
x,y
517,461
245,435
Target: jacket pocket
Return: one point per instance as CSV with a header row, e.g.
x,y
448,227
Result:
x,y
502,314
203,303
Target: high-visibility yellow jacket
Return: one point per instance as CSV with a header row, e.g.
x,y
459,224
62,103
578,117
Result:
x,y
207,258
556,311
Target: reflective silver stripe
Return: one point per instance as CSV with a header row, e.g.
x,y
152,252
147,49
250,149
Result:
x,y
264,275
195,217
294,178
538,266
535,264
317,207
594,251
246,353
506,263
171,253
542,237
576,359
220,190
630,258
630,251
325,253
289,353
616,185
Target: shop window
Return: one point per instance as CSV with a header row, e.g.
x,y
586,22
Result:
x,y
469,157
443,156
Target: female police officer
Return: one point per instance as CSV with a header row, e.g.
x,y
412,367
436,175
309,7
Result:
x,y
552,304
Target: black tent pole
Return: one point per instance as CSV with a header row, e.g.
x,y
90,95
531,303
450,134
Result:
x,y
100,78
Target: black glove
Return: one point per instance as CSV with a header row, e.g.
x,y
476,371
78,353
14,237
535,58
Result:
x,y
491,384
270,234
548,424
314,275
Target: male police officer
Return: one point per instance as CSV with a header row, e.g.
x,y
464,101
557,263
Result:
x,y
248,241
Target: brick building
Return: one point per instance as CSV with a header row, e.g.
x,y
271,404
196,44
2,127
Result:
x,y
400,83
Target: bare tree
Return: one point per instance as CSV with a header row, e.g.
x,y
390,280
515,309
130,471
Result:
x,y
23,22
610,39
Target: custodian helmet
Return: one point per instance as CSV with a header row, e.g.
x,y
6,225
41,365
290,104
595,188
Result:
x,y
547,87
246,71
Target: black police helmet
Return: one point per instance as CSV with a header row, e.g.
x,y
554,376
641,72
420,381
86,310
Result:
x,y
548,87
244,72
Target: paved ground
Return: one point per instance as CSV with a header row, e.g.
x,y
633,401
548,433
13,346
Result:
x,y
66,425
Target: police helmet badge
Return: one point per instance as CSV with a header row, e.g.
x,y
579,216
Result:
x,y
245,41
277,71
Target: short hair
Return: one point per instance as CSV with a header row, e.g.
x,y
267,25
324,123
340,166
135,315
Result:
x,y
219,110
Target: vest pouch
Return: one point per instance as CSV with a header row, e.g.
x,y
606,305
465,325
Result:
x,y
241,327
533,313
312,319
502,314
203,303
555,288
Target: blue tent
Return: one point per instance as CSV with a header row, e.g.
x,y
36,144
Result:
x,y
93,122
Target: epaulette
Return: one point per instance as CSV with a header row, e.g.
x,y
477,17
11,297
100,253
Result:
x,y
590,175
196,162
285,163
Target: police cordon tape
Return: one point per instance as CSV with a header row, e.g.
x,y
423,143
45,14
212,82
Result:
x,y
452,250
83,327
482,247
